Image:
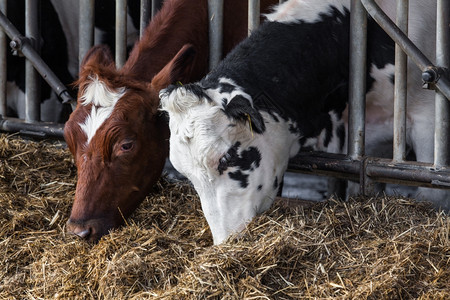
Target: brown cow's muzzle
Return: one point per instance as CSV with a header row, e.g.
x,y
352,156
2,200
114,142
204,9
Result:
x,y
91,230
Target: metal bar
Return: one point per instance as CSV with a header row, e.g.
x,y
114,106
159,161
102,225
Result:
x,y
328,164
215,12
32,80
396,34
357,89
254,7
400,86
442,121
441,82
156,5
408,173
36,129
19,42
146,12
377,169
3,66
86,27
121,33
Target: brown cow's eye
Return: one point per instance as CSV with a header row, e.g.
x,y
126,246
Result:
x,y
127,146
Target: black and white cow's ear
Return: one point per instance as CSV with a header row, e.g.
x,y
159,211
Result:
x,y
239,108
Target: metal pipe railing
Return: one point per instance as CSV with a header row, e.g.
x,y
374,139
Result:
x,y
86,27
359,168
442,108
121,33
156,4
378,169
3,65
357,88
215,13
32,79
430,73
400,87
254,7
22,44
35,129
146,13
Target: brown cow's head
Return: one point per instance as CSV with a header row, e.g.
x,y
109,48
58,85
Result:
x,y
119,140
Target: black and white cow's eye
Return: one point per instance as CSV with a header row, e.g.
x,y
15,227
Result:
x,y
224,161
226,158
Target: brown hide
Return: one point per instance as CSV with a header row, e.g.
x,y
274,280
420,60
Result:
x,y
126,156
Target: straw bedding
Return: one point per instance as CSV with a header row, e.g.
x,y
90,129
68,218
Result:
x,y
367,248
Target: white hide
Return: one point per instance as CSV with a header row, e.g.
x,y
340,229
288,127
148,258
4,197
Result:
x,y
201,135
294,11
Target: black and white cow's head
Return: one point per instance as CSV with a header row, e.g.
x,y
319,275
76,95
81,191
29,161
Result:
x,y
234,154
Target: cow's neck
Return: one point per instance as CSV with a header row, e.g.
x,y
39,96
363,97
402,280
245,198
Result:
x,y
178,23
290,66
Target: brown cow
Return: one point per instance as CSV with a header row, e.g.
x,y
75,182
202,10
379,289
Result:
x,y
118,138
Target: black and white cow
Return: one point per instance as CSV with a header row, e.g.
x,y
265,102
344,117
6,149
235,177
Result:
x,y
282,89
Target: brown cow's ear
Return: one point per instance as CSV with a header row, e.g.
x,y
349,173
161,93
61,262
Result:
x,y
99,55
98,61
178,69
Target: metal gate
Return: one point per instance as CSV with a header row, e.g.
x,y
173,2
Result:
x,y
355,165
35,67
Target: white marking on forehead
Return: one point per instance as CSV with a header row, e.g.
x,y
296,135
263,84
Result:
x,y
95,120
294,11
103,100
99,94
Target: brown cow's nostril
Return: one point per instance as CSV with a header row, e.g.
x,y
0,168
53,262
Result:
x,y
84,233
80,230
91,230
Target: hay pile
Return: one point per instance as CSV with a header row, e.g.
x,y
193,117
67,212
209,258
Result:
x,y
380,248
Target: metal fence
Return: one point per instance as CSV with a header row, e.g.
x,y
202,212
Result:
x,y
35,67
355,165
